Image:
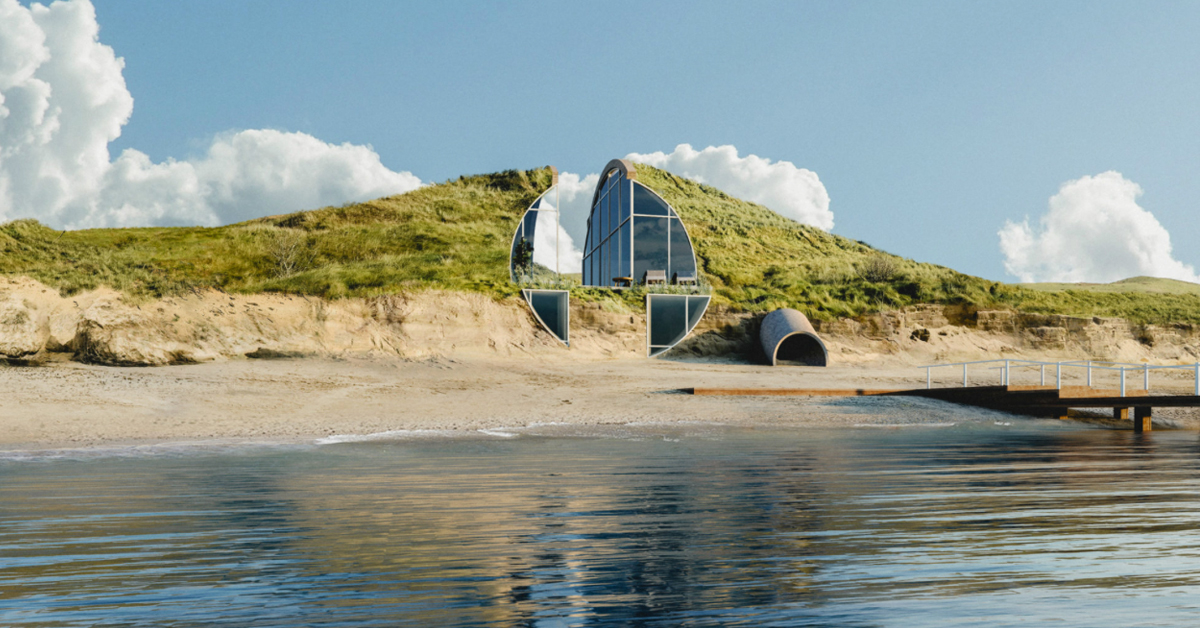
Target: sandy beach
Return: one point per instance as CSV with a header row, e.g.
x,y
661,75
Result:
x,y
79,405
73,404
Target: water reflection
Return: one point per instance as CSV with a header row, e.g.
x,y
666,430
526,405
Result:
x,y
667,527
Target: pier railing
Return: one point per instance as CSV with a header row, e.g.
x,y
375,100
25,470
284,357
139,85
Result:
x,y
1006,368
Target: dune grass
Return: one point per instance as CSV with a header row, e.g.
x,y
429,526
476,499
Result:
x,y
455,236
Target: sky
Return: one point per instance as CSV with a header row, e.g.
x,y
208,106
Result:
x,y
1011,140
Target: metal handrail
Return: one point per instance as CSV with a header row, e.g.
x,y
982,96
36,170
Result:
x,y
1090,365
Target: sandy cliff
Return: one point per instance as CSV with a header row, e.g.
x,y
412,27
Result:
x,y
104,327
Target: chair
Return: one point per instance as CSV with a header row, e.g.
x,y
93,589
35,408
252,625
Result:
x,y
655,276
682,278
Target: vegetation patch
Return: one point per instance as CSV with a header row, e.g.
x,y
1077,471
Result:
x,y
456,236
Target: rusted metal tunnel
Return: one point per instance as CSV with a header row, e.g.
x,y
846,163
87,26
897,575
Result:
x,y
788,339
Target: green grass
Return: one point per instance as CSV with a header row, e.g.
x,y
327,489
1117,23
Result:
x,y
1133,284
455,235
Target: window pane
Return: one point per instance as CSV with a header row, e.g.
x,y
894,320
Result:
x,y
626,232
613,251
602,218
624,213
614,207
668,319
649,246
696,307
602,265
645,202
682,262
551,306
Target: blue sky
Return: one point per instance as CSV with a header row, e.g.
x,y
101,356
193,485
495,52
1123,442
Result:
x,y
930,124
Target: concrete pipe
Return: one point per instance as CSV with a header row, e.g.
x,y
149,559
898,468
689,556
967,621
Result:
x,y
789,339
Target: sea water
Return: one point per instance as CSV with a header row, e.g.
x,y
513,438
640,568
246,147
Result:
x,y
980,523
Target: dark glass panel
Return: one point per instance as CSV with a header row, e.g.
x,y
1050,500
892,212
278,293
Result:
x,y
614,180
585,276
668,319
602,213
624,211
601,266
530,224
696,306
525,231
553,308
649,246
512,254
614,208
645,202
626,232
682,261
613,252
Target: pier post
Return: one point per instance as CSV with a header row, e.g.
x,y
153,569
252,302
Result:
x,y
1122,381
1089,374
964,374
1006,380
1121,414
1043,382
1197,373
1141,419
928,378
1058,374
1146,378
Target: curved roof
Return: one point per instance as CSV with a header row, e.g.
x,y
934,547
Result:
x,y
624,165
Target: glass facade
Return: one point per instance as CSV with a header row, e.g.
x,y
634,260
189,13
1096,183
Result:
x,y
553,310
670,318
633,235
534,252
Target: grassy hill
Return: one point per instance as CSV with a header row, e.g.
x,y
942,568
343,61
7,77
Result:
x,y
1133,284
455,235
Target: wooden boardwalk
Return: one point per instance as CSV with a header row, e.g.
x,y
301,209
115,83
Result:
x,y
1043,401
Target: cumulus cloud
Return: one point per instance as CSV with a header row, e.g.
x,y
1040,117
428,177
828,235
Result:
x,y
1094,231
63,99
570,258
792,192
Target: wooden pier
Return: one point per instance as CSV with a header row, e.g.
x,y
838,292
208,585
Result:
x,y
1041,401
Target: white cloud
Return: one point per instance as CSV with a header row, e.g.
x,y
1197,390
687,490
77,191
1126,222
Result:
x,y
1094,231
63,100
570,258
792,192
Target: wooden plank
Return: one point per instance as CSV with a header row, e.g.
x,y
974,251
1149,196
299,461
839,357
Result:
x,y
793,392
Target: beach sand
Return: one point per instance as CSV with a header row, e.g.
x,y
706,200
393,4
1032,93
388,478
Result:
x,y
68,404
77,404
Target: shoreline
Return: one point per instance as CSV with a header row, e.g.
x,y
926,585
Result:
x,y
72,405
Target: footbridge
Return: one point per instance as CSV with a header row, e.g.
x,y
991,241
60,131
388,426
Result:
x,y
1075,384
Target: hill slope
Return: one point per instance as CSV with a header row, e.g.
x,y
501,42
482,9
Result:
x,y
1133,284
455,235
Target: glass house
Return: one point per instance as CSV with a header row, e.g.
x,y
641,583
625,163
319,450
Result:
x,y
533,255
636,238
670,318
633,235
534,259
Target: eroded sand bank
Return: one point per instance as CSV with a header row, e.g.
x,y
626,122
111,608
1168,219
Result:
x,y
438,360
